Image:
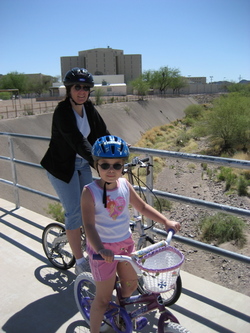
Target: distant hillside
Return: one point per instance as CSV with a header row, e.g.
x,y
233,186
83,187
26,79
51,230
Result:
x,y
128,120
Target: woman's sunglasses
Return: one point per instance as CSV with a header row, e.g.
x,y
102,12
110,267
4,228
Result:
x,y
106,166
78,87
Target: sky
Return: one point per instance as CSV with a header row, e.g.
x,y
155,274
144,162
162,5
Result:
x,y
208,38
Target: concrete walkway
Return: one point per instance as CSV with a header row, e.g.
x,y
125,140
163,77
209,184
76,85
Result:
x,y
37,298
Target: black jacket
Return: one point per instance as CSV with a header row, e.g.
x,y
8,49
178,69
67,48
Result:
x,y
67,141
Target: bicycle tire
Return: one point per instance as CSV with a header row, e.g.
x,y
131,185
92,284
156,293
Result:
x,y
57,251
169,297
171,327
84,293
121,322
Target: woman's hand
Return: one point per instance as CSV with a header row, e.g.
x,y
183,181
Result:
x,y
107,255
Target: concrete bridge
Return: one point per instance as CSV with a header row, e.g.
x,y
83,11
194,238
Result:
x,y
36,297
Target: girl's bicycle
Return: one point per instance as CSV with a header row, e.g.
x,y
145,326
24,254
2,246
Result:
x,y
159,266
58,251
138,225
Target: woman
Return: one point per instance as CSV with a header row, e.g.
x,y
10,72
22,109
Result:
x,y
76,125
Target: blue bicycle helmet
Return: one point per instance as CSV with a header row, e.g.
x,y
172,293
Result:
x,y
110,146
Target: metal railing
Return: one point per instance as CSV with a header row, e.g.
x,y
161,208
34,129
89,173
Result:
x,y
173,197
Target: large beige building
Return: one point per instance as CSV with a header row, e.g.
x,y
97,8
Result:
x,y
105,61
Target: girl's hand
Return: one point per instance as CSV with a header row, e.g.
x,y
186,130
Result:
x,y
174,225
107,255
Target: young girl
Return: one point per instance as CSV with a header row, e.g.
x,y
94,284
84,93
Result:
x,y
106,218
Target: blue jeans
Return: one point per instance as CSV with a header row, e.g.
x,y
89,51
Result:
x,y
70,193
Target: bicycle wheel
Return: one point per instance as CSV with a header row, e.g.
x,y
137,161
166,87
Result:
x,y
169,297
120,320
171,327
56,246
84,292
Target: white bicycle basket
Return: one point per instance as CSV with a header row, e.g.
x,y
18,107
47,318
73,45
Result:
x,y
160,268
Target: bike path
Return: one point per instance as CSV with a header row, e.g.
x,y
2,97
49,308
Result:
x,y
38,298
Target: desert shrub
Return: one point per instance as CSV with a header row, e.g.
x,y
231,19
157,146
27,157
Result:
x,y
161,204
56,211
204,166
227,175
246,174
222,228
191,166
193,111
183,138
127,109
188,121
5,95
98,96
242,186
28,110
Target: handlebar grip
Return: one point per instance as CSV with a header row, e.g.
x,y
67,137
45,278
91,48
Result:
x,y
97,257
136,161
171,233
145,159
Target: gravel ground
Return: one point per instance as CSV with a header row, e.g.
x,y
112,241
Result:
x,y
183,178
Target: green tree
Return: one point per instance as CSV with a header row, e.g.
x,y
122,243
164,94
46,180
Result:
x,y
36,83
14,80
229,121
243,89
39,84
164,79
56,78
141,86
147,76
177,83
161,79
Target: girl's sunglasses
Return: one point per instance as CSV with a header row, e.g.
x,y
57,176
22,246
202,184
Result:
x,y
78,87
106,166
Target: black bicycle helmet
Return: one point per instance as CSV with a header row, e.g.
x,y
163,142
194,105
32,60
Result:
x,y
78,76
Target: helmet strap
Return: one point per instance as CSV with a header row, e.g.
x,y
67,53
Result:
x,y
104,196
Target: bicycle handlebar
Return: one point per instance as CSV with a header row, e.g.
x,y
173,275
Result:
x,y
137,161
120,257
141,252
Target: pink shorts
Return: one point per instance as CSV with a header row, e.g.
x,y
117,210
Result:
x,y
102,270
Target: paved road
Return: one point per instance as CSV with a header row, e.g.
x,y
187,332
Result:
x,y
37,298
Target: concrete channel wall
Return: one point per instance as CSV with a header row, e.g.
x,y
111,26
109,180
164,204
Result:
x,y
127,119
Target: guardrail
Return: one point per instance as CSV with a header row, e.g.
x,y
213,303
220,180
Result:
x,y
174,197
25,107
